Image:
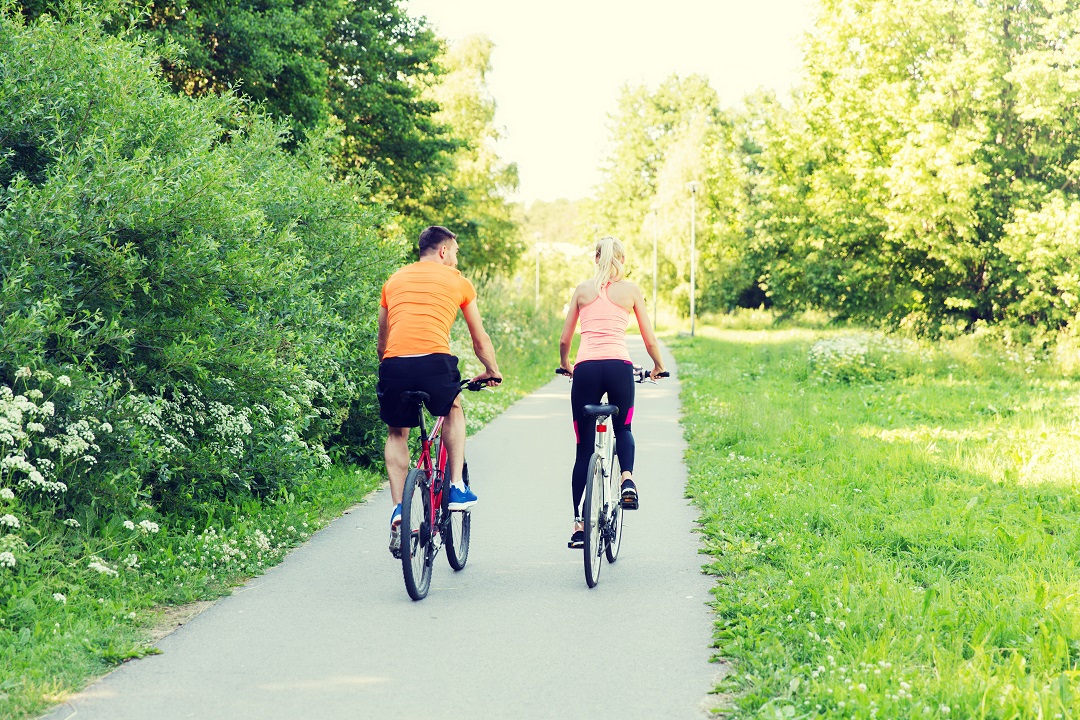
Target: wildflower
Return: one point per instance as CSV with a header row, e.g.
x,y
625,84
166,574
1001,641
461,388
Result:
x,y
23,372
72,522
132,561
9,520
945,709
7,559
106,427
35,427
63,380
60,598
102,568
7,494
128,525
148,527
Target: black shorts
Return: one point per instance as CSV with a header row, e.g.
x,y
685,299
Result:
x,y
436,374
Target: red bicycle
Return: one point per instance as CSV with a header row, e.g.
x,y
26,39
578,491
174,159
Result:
x,y
427,523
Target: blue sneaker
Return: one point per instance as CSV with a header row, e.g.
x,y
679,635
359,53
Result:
x,y
395,532
461,499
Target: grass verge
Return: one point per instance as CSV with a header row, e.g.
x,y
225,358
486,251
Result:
x,y
893,528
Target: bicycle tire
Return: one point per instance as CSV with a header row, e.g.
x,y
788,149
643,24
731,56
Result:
x,y
417,548
458,529
616,515
592,513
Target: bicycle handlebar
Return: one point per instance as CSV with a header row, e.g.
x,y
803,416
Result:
x,y
640,373
477,386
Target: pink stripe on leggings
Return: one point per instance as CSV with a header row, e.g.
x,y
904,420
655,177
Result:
x,y
629,416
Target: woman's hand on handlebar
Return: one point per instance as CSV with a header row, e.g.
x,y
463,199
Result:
x,y
658,372
567,370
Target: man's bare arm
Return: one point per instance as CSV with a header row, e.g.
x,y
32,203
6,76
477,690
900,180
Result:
x,y
485,351
384,331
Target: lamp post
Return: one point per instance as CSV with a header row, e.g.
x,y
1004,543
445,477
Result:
x,y
654,232
693,185
536,286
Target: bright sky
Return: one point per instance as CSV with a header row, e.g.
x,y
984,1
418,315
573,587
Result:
x,y
559,66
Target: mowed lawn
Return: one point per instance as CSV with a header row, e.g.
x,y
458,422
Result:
x,y
893,526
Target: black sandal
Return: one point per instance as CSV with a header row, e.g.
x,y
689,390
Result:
x,y
628,495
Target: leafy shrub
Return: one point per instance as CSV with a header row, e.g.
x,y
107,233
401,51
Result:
x,y
215,294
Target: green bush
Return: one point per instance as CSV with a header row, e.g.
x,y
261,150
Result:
x,y
211,296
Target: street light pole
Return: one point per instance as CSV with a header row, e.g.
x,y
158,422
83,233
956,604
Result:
x,y
536,286
693,249
654,232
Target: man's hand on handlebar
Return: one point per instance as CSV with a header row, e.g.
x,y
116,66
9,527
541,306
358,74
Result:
x,y
486,379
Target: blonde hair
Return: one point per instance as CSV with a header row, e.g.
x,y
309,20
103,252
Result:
x,y
610,257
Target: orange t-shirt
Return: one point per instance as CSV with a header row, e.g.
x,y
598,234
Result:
x,y
422,301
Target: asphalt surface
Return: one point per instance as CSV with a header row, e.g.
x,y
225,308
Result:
x,y
332,633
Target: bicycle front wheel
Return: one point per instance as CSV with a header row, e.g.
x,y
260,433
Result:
x,y
458,528
592,513
417,548
615,513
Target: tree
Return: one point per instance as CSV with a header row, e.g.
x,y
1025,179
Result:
x,y
471,198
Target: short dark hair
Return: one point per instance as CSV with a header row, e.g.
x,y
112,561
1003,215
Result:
x,y
433,237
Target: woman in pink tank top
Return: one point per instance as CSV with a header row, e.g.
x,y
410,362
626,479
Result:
x,y
603,305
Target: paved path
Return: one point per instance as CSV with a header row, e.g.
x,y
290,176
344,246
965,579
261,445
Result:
x,y
331,632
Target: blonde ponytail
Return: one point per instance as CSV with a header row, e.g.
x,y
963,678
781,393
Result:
x,y
610,257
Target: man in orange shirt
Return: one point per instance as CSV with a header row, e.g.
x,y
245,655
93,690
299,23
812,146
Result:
x,y
419,304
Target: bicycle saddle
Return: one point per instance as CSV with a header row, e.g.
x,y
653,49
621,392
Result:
x,y
414,396
602,410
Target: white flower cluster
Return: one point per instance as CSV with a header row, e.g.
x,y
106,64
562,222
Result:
x,y
7,559
7,494
857,356
60,598
10,521
146,527
97,564
32,451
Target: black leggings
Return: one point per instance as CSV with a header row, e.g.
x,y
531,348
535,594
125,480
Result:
x,y
592,379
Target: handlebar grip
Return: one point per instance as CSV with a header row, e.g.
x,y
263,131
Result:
x,y
561,371
476,386
664,374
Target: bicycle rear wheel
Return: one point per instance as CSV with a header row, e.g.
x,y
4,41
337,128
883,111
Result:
x,y
592,513
615,515
458,528
417,548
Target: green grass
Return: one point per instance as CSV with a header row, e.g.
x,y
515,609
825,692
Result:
x,y
894,536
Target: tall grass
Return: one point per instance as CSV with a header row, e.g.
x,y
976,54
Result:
x,y
892,525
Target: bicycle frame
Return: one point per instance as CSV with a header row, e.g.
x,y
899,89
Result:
x,y
604,447
434,466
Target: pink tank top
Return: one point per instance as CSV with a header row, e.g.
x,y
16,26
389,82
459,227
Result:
x,y
603,330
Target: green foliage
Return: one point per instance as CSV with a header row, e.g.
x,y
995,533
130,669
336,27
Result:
x,y
215,293
897,545
272,51
471,198
923,175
